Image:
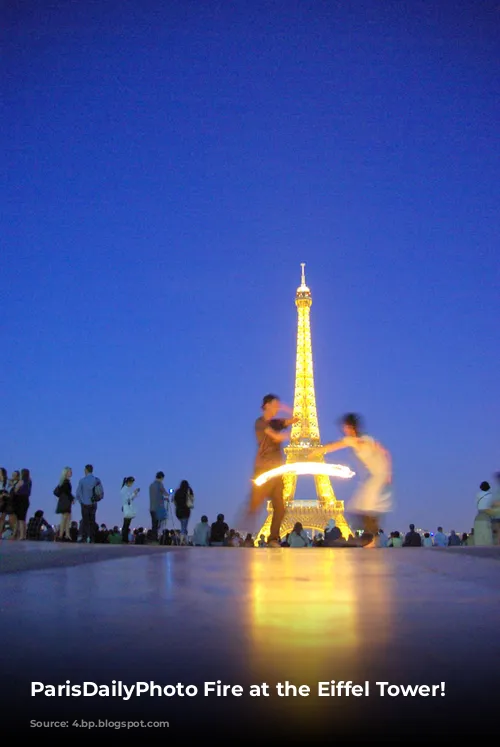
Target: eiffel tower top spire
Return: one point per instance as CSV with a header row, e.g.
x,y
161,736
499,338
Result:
x,y
303,283
303,291
305,433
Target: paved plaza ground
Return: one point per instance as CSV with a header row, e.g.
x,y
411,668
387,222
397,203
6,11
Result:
x,y
251,616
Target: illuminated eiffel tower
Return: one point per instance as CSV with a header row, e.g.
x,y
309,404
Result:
x,y
312,514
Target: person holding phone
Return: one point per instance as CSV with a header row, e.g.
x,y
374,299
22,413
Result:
x,y
128,495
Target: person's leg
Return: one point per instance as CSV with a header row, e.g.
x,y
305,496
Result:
x,y
370,499
370,524
68,525
257,498
376,524
21,517
93,528
125,530
13,524
275,493
370,530
258,495
183,532
154,526
85,522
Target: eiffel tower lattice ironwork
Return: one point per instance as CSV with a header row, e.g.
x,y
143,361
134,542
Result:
x,y
312,514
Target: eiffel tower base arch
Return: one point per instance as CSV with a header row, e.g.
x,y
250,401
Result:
x,y
313,515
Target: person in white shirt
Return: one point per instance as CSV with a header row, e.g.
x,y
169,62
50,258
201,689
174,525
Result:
x,y
427,541
483,533
484,498
374,497
128,496
298,538
201,533
440,538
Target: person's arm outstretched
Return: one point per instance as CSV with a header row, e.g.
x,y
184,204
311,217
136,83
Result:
x,y
334,446
329,448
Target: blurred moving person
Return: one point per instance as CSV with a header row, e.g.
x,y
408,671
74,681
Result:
x,y
374,497
269,432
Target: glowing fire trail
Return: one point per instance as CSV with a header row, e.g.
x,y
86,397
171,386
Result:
x,y
306,468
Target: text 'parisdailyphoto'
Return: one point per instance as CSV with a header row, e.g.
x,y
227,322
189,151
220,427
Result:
x,y
218,689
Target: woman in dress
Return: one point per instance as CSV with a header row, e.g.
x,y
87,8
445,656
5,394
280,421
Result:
x,y
63,493
373,498
21,500
184,502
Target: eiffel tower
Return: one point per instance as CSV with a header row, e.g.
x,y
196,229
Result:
x,y
312,514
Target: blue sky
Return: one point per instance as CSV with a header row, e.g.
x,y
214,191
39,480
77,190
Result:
x,y
168,165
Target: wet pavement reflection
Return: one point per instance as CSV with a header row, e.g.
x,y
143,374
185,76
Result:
x,y
253,616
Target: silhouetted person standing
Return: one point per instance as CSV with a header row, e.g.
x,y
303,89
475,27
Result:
x,y
88,493
157,496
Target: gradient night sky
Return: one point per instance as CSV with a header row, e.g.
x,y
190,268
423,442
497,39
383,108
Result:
x,y
167,169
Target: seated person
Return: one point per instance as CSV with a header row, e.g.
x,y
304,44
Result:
x,y
35,526
395,540
333,535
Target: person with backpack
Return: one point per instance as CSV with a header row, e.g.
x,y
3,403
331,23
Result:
x,y
88,493
184,502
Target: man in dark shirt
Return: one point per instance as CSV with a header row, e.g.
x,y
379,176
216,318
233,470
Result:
x,y
218,531
269,433
412,539
157,496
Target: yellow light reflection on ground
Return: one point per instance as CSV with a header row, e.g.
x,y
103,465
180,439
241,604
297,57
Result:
x,y
316,615
306,600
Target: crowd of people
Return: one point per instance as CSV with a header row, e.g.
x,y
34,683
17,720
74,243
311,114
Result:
x,y
15,499
173,507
